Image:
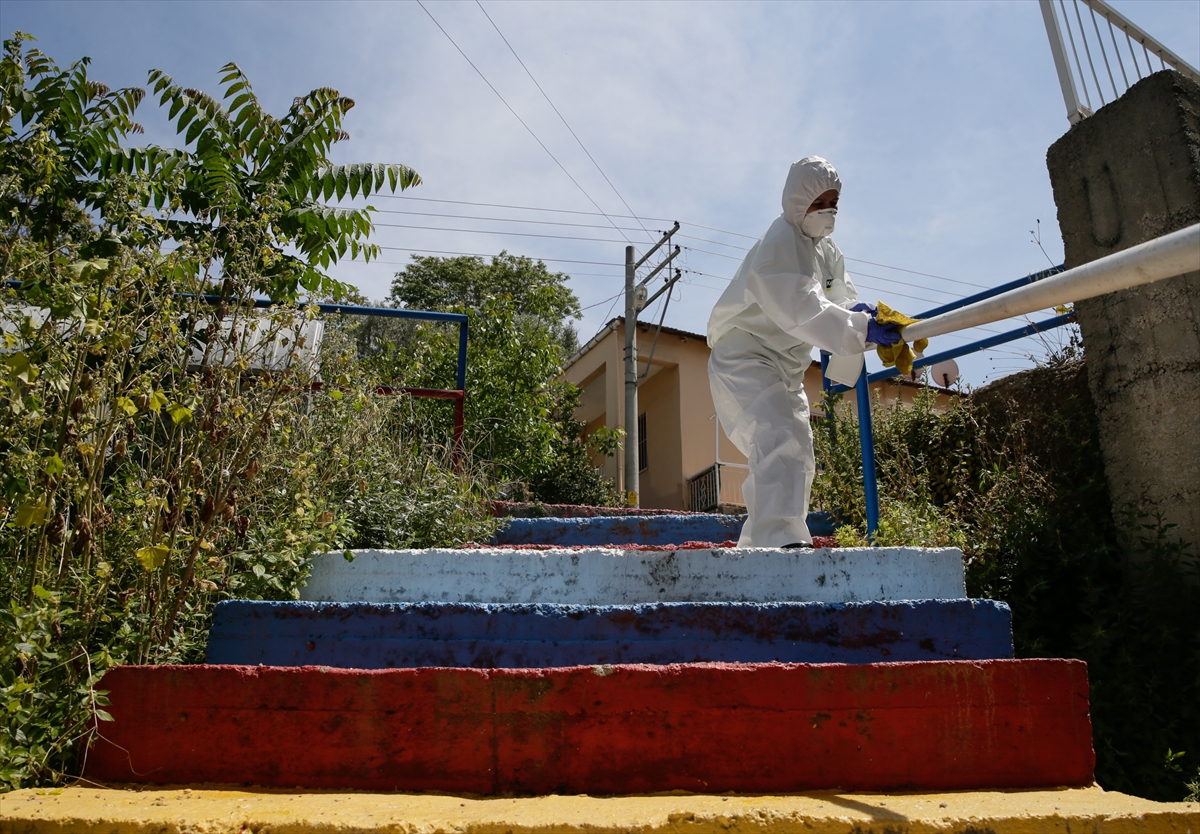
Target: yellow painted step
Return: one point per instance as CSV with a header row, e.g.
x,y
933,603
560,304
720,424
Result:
x,y
219,810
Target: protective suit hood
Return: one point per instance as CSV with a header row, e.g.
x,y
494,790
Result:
x,y
807,180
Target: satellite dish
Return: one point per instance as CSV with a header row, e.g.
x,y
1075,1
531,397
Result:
x,y
944,373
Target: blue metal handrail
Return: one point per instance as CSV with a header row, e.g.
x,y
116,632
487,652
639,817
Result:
x,y
862,388
458,394
355,310
390,313
993,292
973,347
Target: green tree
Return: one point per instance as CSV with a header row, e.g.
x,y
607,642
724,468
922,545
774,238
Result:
x,y
57,130
251,187
152,459
519,414
531,291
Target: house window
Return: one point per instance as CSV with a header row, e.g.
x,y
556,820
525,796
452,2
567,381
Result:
x,y
643,460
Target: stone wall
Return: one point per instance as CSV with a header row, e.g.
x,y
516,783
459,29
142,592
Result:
x,y
1126,175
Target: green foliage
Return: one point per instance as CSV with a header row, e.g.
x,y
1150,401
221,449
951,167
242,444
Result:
x,y
530,289
568,477
941,482
249,189
1121,593
606,441
519,415
397,487
1013,474
43,720
159,453
69,125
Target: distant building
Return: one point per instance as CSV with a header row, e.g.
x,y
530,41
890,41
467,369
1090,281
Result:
x,y
686,461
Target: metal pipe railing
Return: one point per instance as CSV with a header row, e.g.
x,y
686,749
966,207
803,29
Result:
x,y
991,292
394,313
862,389
1177,253
457,394
1058,20
963,350
866,436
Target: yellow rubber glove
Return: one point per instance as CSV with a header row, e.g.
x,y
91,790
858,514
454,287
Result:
x,y
899,354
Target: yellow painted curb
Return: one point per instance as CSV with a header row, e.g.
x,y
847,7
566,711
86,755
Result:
x,y
203,810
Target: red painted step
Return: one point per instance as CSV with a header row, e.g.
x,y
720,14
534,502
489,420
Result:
x,y
710,727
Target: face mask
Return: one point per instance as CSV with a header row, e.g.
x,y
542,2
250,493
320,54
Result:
x,y
818,224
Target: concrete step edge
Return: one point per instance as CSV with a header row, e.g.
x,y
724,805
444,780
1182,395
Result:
x,y
604,576
224,810
404,635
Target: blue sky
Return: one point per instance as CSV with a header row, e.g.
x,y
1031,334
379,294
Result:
x,y
937,114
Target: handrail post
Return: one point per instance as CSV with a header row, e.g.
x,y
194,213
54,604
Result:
x,y
865,436
826,386
459,419
462,356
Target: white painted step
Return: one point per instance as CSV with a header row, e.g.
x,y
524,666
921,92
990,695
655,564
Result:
x,y
608,576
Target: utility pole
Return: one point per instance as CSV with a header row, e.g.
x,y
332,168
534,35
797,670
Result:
x,y
636,299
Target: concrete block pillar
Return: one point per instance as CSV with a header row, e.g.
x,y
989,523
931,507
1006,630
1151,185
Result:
x,y
1126,175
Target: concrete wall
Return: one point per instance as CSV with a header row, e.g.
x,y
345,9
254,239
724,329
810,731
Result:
x,y
661,482
1126,175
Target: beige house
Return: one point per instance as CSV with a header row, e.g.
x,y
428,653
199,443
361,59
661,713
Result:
x,y
686,460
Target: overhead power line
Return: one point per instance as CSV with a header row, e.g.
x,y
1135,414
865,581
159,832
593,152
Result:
x,y
953,294
722,231
639,219
892,283
517,117
492,232
605,301
500,219
717,242
718,254
574,274
557,113
527,208
482,255
926,274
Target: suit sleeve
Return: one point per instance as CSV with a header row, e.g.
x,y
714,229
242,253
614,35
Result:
x,y
794,300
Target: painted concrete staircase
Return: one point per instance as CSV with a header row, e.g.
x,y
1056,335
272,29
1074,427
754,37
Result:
x,y
606,656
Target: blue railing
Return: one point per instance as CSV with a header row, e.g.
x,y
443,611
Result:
x,y
458,393
862,388
391,313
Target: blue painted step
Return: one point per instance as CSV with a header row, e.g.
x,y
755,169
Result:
x,y
653,530
387,635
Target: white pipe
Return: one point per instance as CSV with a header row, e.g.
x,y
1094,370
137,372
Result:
x,y
1177,253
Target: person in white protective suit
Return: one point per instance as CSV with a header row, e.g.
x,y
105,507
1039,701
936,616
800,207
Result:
x,y
790,294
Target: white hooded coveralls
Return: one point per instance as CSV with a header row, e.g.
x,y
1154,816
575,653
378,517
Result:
x,y
790,293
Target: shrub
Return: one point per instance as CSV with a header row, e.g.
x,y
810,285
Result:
x,y
159,452
1014,475
520,428
943,479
